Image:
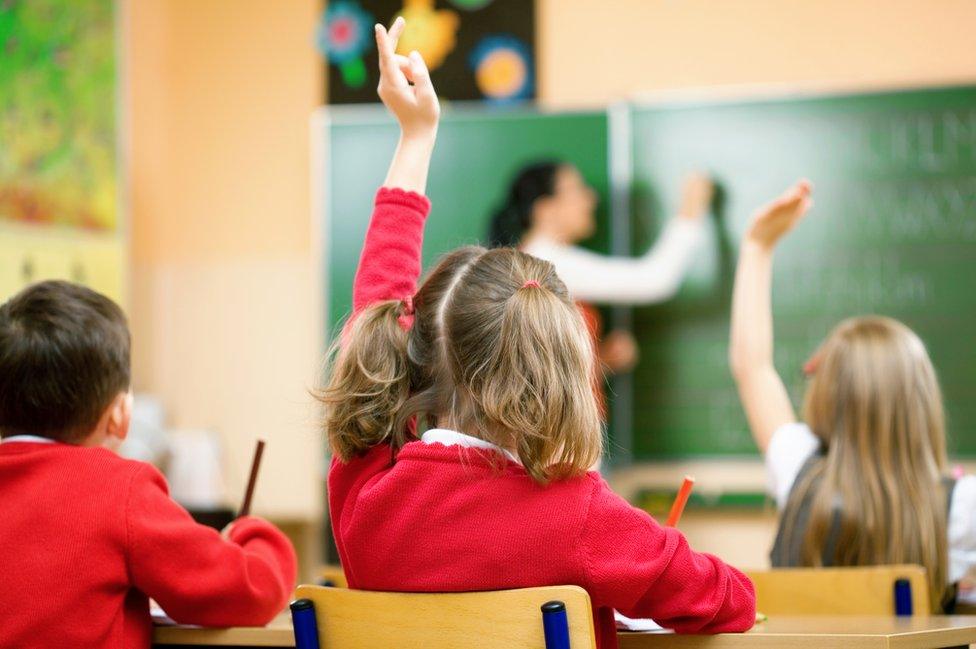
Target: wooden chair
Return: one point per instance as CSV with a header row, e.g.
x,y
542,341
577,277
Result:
x,y
865,590
330,575
504,619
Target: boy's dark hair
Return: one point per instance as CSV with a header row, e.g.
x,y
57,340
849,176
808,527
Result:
x,y
64,355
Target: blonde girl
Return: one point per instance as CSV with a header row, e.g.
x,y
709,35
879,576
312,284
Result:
x,y
862,479
493,354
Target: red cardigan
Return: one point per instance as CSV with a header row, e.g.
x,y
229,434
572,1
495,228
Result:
x,y
86,536
446,519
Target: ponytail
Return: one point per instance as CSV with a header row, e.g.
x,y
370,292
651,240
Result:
x,y
368,383
514,218
542,384
520,364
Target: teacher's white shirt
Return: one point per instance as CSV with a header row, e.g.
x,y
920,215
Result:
x,y
653,277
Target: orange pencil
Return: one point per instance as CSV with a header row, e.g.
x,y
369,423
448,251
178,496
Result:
x,y
680,501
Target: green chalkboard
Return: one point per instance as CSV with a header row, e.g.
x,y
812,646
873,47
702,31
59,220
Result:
x,y
477,153
893,231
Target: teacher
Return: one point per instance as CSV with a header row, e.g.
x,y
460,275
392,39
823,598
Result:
x,y
549,209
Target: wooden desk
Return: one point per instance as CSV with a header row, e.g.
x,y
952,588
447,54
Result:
x,y
276,634
785,632
826,633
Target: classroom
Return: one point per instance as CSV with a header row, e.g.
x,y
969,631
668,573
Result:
x,y
312,310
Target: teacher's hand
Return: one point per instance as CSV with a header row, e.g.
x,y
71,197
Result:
x,y
696,196
618,351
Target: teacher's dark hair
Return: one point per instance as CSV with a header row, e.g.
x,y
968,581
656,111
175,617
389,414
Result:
x,y
514,218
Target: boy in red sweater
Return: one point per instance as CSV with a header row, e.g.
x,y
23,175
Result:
x,y
493,351
87,536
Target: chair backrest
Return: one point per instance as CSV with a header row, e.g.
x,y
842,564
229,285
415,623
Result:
x,y
332,575
503,619
867,590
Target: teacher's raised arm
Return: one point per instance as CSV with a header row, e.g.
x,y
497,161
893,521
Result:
x,y
549,208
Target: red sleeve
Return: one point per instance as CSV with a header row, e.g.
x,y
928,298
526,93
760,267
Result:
x,y
197,576
389,266
645,570
345,481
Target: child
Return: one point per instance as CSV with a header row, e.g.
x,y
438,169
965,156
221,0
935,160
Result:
x,y
498,495
87,536
863,480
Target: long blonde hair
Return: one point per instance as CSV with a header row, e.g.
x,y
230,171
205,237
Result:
x,y
497,350
874,402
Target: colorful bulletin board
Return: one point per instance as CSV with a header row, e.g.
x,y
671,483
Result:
x,y
59,205
476,49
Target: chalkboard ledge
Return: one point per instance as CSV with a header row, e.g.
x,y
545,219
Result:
x,y
712,476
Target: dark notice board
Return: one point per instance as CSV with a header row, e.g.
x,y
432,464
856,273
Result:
x,y
893,232
456,36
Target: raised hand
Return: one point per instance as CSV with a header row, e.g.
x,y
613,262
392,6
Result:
x,y
778,217
415,106
696,196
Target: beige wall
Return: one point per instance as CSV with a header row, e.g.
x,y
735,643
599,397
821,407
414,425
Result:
x,y
226,297
593,51
225,304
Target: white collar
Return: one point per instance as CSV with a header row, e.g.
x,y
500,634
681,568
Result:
x,y
28,438
448,437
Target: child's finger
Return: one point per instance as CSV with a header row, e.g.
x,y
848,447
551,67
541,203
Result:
x,y
395,30
405,65
381,38
389,69
800,189
421,76
383,46
793,194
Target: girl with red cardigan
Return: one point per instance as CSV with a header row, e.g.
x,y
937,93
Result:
x,y
492,353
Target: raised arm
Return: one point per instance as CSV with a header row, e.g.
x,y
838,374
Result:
x,y
415,107
761,390
390,262
653,277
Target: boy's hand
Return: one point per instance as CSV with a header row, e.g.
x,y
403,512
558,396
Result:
x,y
225,533
415,107
778,217
696,196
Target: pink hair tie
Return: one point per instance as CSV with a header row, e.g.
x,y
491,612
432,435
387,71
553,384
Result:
x,y
407,303
532,284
